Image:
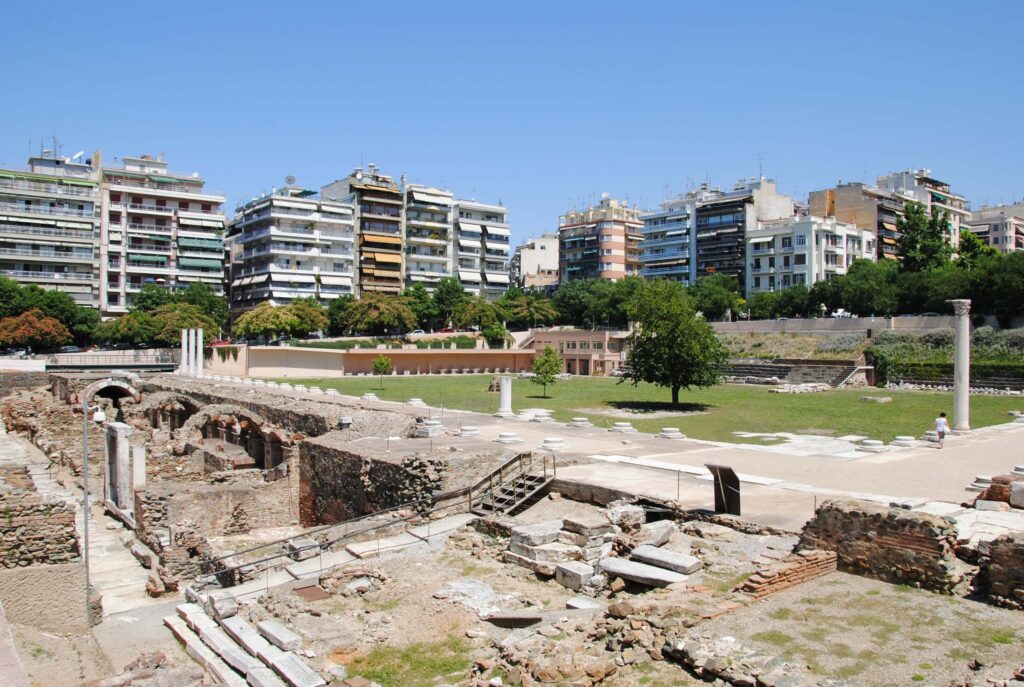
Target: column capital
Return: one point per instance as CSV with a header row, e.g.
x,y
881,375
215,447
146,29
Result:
x,y
961,306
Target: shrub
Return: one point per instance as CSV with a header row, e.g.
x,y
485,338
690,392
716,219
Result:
x,y
984,337
838,344
1012,339
888,338
940,338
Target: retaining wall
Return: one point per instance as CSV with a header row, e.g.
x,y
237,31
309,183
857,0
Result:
x,y
34,532
49,597
1002,571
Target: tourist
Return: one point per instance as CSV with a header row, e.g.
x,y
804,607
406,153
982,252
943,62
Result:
x,y
941,427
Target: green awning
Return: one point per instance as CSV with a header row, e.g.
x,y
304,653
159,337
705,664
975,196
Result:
x,y
200,262
143,257
200,243
157,237
166,180
30,176
76,182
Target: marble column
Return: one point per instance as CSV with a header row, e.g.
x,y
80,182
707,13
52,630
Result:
x,y
505,400
182,359
117,466
199,353
962,366
189,339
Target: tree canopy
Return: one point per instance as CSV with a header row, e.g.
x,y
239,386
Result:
x,y
670,345
716,295
546,368
378,314
265,320
309,316
33,328
448,294
924,240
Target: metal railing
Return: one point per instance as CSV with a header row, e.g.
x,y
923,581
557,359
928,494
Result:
x,y
45,231
61,276
40,210
61,189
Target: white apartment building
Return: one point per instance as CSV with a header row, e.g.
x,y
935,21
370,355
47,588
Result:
x,y
291,244
429,247
802,250
156,227
534,263
49,226
482,235
1001,226
919,185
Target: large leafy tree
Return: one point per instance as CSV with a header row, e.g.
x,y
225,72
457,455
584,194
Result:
x,y
150,297
448,294
794,301
763,305
422,305
309,316
380,314
478,312
870,288
924,240
134,328
213,306
971,250
572,300
337,315
35,329
527,307
825,296
265,320
79,320
716,295
168,321
670,345
546,368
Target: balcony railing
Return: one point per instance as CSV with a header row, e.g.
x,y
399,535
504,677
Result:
x,y
179,188
147,207
61,276
150,227
34,210
57,189
63,255
45,231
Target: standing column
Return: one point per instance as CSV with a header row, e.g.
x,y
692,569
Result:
x,y
183,359
188,352
505,402
962,367
199,353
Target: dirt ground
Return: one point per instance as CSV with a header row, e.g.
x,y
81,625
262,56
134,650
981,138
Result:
x,y
53,660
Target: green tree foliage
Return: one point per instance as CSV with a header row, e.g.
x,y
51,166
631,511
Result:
x,y
825,297
448,294
495,334
213,306
527,307
79,320
150,297
594,302
168,321
971,250
265,320
422,305
870,288
35,329
337,315
670,345
134,328
924,241
377,314
477,312
381,367
716,295
546,368
309,316
763,305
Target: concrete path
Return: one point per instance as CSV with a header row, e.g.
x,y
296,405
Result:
x,y
12,673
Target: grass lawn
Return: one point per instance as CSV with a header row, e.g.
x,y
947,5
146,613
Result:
x,y
707,413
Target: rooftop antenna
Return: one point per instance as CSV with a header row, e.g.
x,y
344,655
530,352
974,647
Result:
x,y
289,180
760,166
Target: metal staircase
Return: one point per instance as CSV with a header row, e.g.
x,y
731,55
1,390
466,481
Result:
x,y
514,485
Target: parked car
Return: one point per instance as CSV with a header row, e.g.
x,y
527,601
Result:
x,y
417,331
446,330
69,349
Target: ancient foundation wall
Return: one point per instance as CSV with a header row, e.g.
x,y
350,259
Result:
x,y
1002,572
34,532
589,493
890,544
11,381
796,569
49,597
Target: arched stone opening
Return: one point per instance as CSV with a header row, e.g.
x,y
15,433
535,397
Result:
x,y
227,432
115,390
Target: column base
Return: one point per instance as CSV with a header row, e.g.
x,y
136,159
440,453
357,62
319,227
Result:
x,y
505,413
962,429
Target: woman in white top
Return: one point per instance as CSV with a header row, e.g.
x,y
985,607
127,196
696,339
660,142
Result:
x,y
941,427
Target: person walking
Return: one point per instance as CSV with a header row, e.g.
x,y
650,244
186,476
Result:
x,y
941,427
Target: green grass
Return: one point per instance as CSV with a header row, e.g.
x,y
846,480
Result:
x,y
714,413
415,665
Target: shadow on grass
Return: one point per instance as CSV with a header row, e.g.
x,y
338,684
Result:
x,y
545,398
659,406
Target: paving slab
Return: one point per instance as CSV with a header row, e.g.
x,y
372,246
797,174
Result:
x,y
263,677
295,672
279,635
244,634
682,563
640,572
537,534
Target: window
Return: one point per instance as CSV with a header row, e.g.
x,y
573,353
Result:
x,y
785,261
571,345
800,259
585,344
206,207
597,345
771,263
785,280
787,241
757,263
183,205
801,240
115,197
800,278
757,282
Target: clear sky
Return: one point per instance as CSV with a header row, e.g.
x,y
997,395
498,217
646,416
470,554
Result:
x,y
542,105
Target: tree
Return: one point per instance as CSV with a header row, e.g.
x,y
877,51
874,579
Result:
x,y
134,328
35,329
572,300
869,288
763,305
825,296
924,241
168,321
447,295
337,315
265,320
377,313
150,297
213,306
794,301
670,345
546,368
422,305
716,295
479,312
971,249
527,308
309,316
381,367
495,334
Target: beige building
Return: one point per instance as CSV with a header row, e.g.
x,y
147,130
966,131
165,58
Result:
x,y
868,207
535,263
920,186
1001,227
601,242
589,353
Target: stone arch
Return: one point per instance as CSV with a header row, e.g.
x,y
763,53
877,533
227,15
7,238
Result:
x,y
239,426
168,409
110,388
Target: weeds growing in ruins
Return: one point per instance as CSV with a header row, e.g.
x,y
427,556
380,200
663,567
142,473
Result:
x,y
414,665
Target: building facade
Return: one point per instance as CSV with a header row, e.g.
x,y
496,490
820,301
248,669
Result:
x,y
534,264
590,353
156,227
600,242
1001,226
919,185
670,238
870,208
429,249
803,250
290,244
483,234
49,226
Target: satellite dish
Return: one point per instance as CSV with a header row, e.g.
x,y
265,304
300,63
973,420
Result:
x,y
359,176
289,180
77,155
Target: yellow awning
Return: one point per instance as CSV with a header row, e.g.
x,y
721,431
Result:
x,y
388,257
377,238
890,226
888,239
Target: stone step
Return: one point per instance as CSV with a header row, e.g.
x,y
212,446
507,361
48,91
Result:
x,y
295,672
225,647
640,572
414,536
279,635
245,634
202,654
682,563
263,677
312,567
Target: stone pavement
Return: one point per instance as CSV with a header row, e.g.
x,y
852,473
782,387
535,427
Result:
x,y
12,673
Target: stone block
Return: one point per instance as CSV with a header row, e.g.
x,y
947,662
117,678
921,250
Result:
x,y
245,634
628,517
295,672
587,524
263,677
279,635
269,654
682,563
539,567
1017,494
656,533
515,619
982,504
640,572
583,602
548,553
301,548
538,533
573,574
221,605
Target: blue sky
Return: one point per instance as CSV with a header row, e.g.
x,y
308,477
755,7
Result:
x,y
542,105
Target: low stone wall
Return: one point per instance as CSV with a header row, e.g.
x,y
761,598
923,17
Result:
x,y
1000,488
49,597
796,569
34,532
890,544
1002,572
11,381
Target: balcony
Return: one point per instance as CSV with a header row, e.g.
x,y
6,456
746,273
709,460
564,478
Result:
x,y
48,276
151,246
150,208
48,255
651,257
54,189
668,269
149,228
45,231
34,210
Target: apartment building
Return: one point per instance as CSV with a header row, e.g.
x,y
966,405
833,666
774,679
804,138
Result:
x,y
429,246
802,250
1000,226
593,353
670,238
290,244
49,225
534,263
919,185
600,242
380,227
870,208
156,227
482,234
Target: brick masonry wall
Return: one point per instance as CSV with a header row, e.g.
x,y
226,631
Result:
x,y
793,570
33,532
890,544
999,490
1001,575
11,381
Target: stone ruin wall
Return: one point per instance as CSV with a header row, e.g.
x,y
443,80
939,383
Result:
x,y
1001,577
889,544
796,569
12,381
34,532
